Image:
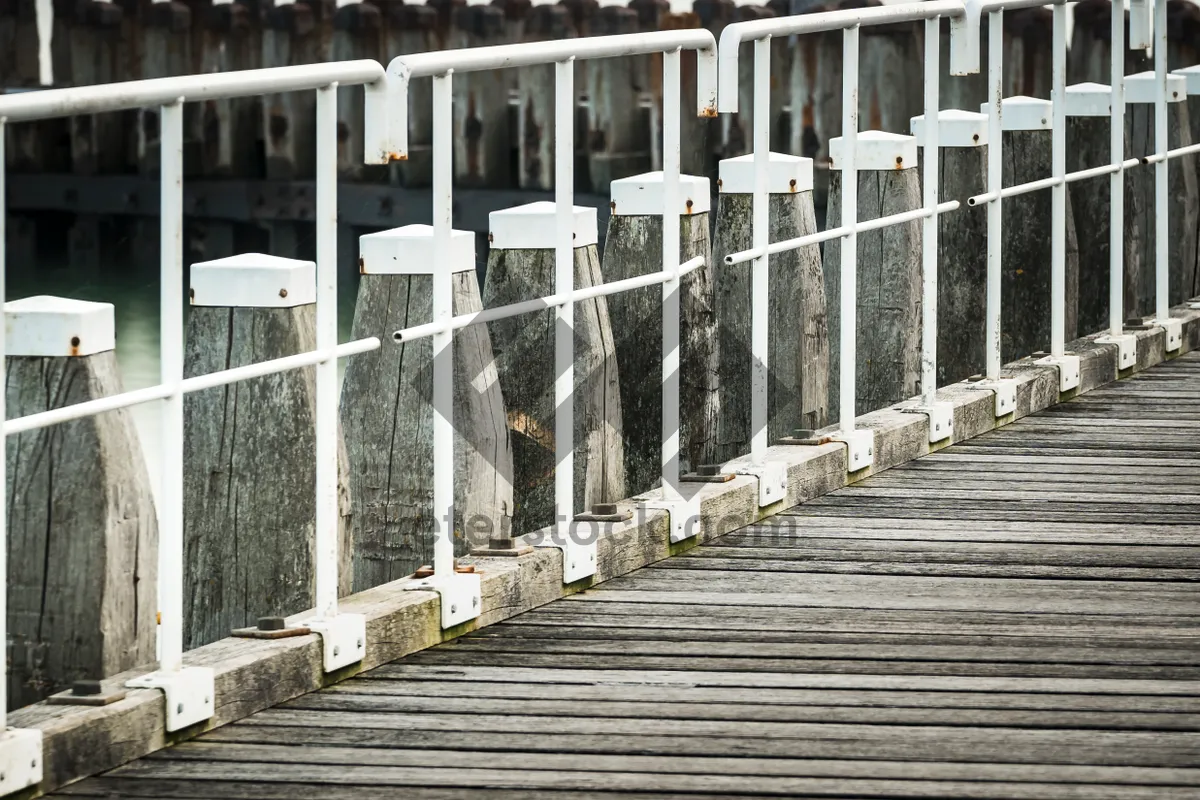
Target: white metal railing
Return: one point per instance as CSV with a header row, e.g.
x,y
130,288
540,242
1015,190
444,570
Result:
x,y
190,690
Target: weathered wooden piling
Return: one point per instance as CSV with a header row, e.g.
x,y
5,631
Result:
x,y
962,242
816,91
1026,247
633,247
798,343
1089,58
1183,205
696,133
415,29
1089,122
535,97
249,490
889,273
1028,53
1191,76
82,533
483,147
521,267
357,33
387,411
617,134
230,39
166,50
292,35
738,129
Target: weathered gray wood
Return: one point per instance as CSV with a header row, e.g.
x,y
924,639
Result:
x,y
483,150
798,354
1141,213
97,143
249,488
231,40
1028,53
1026,252
816,104
1089,57
523,347
1088,146
889,292
165,51
291,36
535,94
618,137
962,264
633,247
387,415
738,136
82,533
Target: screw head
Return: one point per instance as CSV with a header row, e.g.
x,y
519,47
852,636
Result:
x,y
179,708
360,644
337,651
869,451
937,427
453,609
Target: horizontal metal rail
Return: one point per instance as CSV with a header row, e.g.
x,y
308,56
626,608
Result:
x,y
542,303
55,416
129,95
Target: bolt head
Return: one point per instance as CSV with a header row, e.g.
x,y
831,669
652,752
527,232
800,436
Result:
x,y
337,651
179,708
453,609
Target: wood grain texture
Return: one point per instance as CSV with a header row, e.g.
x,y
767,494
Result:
x,y
1141,212
82,533
1088,146
888,333
249,490
387,415
524,348
1026,252
962,265
798,343
633,247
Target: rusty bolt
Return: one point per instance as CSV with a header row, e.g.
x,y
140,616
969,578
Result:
x,y
283,292
975,137
899,160
192,294
689,205
613,205
74,341
490,238
792,184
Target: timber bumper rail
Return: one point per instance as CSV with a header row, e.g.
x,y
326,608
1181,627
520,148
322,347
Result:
x,y
229,679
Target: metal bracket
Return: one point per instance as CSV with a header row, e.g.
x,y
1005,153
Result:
x,y
1005,390
941,419
772,479
460,594
1068,370
578,551
20,759
1126,348
860,448
683,514
1174,331
343,639
189,694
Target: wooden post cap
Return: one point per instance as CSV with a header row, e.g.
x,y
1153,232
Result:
x,y
878,151
1024,113
786,174
532,227
254,280
956,128
408,250
1143,88
47,326
1089,100
1191,78
642,195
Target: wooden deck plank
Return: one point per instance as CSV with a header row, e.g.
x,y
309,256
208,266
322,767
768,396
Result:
x,y
1013,617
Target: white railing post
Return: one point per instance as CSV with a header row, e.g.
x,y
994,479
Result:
x,y
20,748
188,691
860,444
343,636
772,477
460,593
564,285
1172,329
941,415
1116,223
671,287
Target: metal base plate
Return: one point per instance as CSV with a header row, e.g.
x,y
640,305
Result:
x,y
1068,370
189,694
684,514
20,759
1126,348
578,547
1174,331
343,639
772,479
941,419
460,593
70,699
860,448
1005,391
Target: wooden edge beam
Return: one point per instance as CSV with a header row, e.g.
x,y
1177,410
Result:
x,y
253,674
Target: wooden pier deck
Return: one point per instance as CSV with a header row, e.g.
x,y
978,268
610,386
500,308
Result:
x,y
1017,616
